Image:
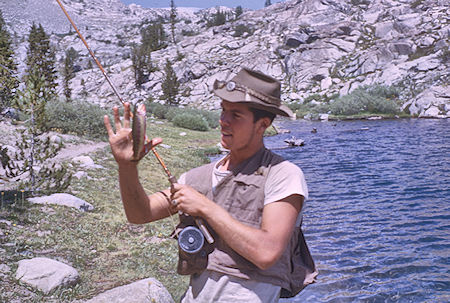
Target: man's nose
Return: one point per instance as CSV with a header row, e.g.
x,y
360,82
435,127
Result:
x,y
224,119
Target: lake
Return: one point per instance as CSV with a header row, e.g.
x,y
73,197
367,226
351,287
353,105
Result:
x,y
377,219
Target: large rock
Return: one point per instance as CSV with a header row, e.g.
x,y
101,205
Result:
x,y
86,161
46,274
63,199
291,40
431,103
146,290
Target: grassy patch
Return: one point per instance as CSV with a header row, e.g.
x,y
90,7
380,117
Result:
x,y
106,250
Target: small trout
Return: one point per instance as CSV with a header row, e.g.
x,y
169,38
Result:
x,y
138,130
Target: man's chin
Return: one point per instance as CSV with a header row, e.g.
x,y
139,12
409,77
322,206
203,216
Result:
x,y
224,144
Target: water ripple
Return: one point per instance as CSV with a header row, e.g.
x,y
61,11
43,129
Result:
x,y
377,221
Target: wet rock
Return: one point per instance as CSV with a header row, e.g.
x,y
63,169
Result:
x,y
294,141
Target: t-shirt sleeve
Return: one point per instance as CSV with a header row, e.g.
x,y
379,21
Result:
x,y
182,179
284,179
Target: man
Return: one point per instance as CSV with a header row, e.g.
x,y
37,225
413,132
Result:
x,y
251,201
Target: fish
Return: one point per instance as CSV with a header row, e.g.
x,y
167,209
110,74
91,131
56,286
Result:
x,y
138,131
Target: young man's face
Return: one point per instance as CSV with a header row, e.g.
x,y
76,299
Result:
x,y
239,132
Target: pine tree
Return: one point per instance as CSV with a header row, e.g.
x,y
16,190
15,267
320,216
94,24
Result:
x,y
238,11
142,63
219,18
170,85
153,36
68,71
8,68
41,60
32,166
267,3
173,19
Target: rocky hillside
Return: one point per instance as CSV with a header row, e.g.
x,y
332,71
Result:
x,y
317,47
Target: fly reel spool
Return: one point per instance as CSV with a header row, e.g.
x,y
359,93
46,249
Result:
x,y
191,239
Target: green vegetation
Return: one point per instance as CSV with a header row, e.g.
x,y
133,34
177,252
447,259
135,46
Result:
x,y
173,19
79,118
416,3
170,85
373,100
240,29
8,68
31,163
41,63
190,121
362,102
153,38
170,113
68,72
219,18
238,11
106,250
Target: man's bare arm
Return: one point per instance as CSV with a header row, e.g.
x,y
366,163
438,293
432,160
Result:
x,y
139,207
262,246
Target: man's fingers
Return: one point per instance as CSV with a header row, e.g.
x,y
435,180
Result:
x,y
174,188
117,123
150,144
108,126
126,115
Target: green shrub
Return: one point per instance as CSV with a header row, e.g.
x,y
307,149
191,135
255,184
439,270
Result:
x,y
374,100
172,111
212,117
162,111
240,29
191,121
159,110
80,118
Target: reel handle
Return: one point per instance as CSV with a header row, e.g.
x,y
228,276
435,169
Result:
x,y
200,223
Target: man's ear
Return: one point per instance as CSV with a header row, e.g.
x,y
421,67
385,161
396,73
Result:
x,y
264,123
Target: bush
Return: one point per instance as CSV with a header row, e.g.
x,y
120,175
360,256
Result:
x,y
211,117
78,118
173,111
191,121
159,110
240,29
170,112
375,100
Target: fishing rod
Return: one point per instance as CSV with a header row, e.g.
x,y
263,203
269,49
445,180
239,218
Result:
x,y
109,80
172,178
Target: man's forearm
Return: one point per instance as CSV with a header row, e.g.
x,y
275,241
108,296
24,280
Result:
x,y
135,200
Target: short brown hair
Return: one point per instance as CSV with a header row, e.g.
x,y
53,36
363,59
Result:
x,y
259,113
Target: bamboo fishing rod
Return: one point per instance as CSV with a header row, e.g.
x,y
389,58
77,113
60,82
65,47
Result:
x,y
110,82
172,178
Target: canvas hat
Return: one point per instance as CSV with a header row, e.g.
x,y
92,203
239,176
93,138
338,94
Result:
x,y
255,88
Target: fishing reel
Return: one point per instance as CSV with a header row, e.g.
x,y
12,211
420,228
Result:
x,y
191,239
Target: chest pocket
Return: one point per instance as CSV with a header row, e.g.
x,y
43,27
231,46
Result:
x,y
246,199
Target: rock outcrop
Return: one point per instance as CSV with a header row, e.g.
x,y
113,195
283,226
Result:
x,y
322,47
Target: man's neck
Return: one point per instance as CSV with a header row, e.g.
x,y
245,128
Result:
x,y
237,157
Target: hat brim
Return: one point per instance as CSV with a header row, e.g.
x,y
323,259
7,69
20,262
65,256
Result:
x,y
237,96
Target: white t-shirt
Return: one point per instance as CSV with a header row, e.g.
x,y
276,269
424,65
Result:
x,y
284,179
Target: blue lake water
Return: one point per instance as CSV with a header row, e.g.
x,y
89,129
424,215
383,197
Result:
x,y
378,218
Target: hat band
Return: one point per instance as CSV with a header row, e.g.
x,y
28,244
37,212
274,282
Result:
x,y
231,86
